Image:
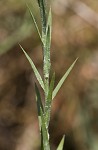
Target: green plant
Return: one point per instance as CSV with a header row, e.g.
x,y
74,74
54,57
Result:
x,y
48,87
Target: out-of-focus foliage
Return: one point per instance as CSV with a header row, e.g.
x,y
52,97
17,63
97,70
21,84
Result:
x,y
77,36
75,109
15,23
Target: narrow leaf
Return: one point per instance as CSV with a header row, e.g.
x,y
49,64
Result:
x,y
49,100
49,30
34,68
41,4
63,79
33,18
60,147
39,105
39,102
51,89
42,123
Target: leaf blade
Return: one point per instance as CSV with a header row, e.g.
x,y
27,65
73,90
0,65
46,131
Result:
x,y
48,30
43,13
38,76
36,26
42,123
49,100
39,105
51,88
63,79
60,147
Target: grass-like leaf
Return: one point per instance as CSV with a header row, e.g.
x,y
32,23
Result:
x,y
42,123
39,105
38,76
51,89
49,100
33,18
41,4
60,147
49,30
63,79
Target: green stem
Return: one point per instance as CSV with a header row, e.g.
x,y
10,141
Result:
x,y
46,52
46,59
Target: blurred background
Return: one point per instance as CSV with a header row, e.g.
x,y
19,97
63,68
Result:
x,y
75,108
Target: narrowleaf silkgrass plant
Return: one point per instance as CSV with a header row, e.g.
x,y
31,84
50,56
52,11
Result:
x,y
48,87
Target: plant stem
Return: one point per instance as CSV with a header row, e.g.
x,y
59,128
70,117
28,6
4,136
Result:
x,y
46,58
46,51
